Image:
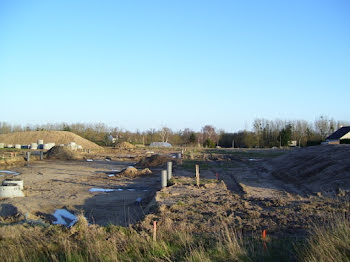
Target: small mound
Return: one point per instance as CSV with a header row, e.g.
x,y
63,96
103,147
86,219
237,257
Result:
x,y
133,172
125,145
154,160
61,153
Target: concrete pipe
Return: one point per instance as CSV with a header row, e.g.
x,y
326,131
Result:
x,y
18,146
33,146
9,146
2,145
170,169
164,178
10,190
17,181
40,142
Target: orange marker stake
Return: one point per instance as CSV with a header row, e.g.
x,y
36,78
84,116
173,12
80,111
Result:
x,y
264,238
217,176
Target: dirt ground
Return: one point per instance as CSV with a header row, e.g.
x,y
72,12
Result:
x,y
254,190
51,185
248,196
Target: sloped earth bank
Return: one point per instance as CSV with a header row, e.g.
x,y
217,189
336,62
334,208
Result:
x,y
246,198
54,184
324,168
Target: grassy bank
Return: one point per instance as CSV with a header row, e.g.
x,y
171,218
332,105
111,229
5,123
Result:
x,y
328,242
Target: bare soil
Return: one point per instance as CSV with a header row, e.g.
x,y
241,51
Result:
x,y
58,137
255,190
54,184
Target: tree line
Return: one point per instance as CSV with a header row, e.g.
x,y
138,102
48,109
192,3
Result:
x,y
263,134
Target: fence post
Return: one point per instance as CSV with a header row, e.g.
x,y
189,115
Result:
x,y
28,156
197,174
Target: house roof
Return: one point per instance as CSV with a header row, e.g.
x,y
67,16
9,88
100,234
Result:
x,y
339,133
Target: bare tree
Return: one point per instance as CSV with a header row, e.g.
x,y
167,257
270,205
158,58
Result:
x,y
165,133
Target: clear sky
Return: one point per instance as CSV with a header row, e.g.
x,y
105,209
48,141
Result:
x,y
148,64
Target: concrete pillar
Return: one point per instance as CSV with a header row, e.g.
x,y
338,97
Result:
x,y
179,156
164,178
170,169
28,156
41,155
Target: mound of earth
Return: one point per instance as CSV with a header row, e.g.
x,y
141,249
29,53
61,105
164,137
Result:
x,y
154,160
318,168
61,153
125,145
57,137
133,172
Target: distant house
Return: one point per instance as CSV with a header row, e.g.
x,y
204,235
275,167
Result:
x,y
292,143
341,133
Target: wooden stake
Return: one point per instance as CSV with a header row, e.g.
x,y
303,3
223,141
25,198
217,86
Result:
x,y
154,231
197,174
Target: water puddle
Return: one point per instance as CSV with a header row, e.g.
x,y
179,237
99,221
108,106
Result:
x,y
101,190
95,189
7,172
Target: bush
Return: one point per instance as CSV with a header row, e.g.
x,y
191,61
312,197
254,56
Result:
x,y
209,143
345,141
313,142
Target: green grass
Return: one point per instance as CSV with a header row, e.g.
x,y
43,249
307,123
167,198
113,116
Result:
x,y
248,153
190,165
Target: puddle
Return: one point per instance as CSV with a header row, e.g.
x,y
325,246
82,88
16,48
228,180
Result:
x,y
9,172
94,189
89,160
254,159
62,215
101,190
111,175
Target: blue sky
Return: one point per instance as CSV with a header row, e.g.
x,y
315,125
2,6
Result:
x,y
148,64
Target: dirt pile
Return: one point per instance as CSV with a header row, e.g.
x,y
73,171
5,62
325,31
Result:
x,y
133,172
124,145
319,168
61,153
58,137
211,207
154,161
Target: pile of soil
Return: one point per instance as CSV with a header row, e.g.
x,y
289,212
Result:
x,y
212,207
124,145
318,168
58,137
61,153
154,160
133,172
